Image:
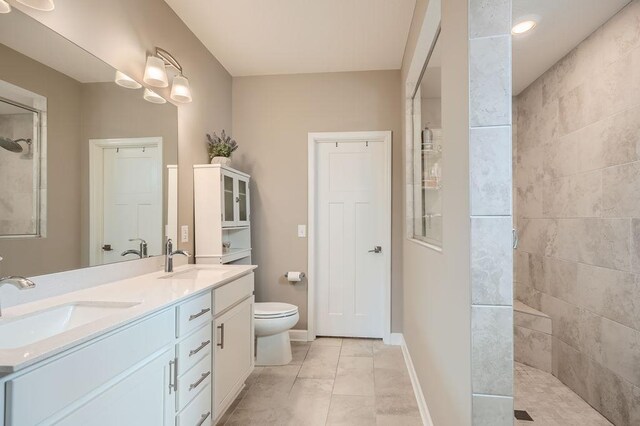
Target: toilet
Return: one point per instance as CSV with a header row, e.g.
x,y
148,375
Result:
x,y
272,324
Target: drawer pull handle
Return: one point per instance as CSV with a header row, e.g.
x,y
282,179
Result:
x,y
203,418
192,386
199,348
199,314
221,344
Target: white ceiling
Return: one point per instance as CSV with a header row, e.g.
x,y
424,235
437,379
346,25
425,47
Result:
x,y
33,39
563,25
251,37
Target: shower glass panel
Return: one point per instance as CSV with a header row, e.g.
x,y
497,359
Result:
x,y
19,170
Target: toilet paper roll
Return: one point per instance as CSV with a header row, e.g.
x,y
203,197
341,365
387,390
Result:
x,y
294,276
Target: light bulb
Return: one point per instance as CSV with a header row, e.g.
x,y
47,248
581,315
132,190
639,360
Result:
x,y
155,73
125,81
153,97
44,5
4,7
180,91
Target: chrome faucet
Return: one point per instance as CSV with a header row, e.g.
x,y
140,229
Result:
x,y
168,260
21,283
142,253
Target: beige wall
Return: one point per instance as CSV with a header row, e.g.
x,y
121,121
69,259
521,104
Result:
x,y
578,207
110,111
272,116
436,286
61,249
121,32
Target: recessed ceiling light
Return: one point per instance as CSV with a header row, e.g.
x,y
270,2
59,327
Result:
x,y
523,27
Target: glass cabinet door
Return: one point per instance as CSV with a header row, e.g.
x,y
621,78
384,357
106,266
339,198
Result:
x,y
228,201
243,201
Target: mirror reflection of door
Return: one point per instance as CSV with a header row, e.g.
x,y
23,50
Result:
x,y
128,182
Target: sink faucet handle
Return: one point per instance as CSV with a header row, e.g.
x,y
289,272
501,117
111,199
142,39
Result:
x,y
143,246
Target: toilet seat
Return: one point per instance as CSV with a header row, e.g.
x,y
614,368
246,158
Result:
x,y
270,310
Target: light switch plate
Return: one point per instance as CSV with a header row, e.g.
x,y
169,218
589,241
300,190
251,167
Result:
x,y
184,233
302,231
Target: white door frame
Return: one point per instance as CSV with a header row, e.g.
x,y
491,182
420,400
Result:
x,y
96,183
346,137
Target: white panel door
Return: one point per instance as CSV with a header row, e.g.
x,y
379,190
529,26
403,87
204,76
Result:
x,y
350,272
132,200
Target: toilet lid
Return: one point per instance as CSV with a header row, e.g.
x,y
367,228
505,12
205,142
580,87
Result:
x,y
274,310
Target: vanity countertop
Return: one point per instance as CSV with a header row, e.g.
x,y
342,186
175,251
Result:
x,y
150,292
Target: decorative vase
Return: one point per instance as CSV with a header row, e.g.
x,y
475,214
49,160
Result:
x,y
225,161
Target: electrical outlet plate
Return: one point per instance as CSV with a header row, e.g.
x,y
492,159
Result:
x,y
184,233
302,231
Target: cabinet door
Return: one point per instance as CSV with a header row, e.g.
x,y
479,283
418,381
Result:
x,y
234,352
141,398
228,200
242,200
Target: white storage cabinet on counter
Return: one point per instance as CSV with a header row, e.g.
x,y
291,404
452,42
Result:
x,y
222,215
159,370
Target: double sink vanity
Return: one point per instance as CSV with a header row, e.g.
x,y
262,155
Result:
x,y
154,349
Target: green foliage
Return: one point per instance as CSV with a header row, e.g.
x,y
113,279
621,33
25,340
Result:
x,y
220,146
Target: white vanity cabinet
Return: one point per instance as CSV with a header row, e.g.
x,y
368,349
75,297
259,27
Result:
x,y
183,366
222,214
234,337
127,369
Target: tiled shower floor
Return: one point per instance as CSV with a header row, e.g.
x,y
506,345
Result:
x,y
549,402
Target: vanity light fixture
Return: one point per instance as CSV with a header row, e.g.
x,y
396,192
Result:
x,y
125,81
4,7
155,74
153,97
180,91
44,5
523,27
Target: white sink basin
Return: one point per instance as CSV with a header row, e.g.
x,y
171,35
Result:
x,y
24,330
189,274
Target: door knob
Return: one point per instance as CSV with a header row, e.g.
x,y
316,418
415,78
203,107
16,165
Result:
x,y
376,249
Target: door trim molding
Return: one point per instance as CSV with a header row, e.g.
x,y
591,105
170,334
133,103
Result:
x,y
313,140
96,183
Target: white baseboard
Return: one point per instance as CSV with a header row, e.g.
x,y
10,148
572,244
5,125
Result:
x,y
417,390
395,339
298,335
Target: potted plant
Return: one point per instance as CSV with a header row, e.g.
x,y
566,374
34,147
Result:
x,y
220,148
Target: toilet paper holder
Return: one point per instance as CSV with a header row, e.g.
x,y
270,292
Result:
x,y
302,275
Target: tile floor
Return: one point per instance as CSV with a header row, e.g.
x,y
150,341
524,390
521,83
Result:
x,y
330,382
549,402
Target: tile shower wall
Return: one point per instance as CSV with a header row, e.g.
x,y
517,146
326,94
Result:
x,y
578,213
490,193
17,202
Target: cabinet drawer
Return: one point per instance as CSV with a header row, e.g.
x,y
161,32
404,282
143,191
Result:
x,y
193,348
232,292
59,383
193,313
198,412
193,381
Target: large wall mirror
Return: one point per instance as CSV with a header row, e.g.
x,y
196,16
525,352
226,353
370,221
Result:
x,y
84,162
427,153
